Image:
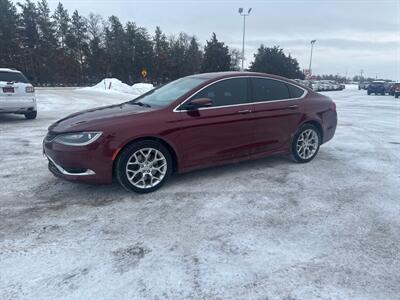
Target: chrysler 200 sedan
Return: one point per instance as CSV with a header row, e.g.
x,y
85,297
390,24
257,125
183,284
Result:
x,y
194,122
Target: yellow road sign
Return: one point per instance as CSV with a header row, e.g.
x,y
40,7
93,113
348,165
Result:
x,y
144,73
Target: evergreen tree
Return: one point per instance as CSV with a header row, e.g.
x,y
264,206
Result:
x,y
47,47
216,56
161,61
46,25
96,67
9,43
30,39
116,49
194,57
274,61
236,59
143,58
77,42
62,20
178,56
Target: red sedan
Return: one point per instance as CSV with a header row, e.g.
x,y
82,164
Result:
x,y
194,122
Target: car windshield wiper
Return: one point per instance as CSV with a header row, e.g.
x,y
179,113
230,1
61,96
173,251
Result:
x,y
140,103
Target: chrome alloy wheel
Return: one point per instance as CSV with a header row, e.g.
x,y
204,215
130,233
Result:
x,y
307,143
146,168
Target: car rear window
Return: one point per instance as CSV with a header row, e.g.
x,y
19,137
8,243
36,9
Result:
x,y
13,77
294,91
269,89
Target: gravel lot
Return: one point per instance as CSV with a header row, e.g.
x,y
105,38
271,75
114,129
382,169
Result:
x,y
266,229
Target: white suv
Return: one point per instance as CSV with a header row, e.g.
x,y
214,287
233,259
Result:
x,y
17,95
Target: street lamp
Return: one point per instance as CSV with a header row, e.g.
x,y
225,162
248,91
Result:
x,y
312,46
244,15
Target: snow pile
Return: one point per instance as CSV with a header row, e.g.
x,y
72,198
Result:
x,y
116,85
109,84
141,88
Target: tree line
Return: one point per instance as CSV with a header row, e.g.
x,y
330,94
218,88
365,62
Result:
x,y
59,47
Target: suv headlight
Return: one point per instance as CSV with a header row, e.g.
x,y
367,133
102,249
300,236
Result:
x,y
77,138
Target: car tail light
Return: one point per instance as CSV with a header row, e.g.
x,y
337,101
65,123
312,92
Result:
x,y
29,89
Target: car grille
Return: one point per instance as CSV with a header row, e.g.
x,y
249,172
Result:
x,y
50,136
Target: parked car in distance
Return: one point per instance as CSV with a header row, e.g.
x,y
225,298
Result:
x,y
17,95
395,90
194,122
376,87
388,87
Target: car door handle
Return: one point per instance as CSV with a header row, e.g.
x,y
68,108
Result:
x,y
244,111
295,106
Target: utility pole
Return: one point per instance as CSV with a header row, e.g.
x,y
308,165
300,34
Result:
x,y
312,46
244,15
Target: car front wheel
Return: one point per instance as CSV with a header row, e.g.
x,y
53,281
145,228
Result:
x,y
306,143
144,166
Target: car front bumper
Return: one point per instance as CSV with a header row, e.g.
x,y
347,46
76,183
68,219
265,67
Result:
x,y
85,164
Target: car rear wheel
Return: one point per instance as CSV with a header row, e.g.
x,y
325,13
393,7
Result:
x,y
305,144
31,115
144,166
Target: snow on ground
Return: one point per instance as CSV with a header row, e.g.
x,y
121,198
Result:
x,y
270,228
113,85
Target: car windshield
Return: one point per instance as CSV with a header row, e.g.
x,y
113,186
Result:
x,y
13,77
166,94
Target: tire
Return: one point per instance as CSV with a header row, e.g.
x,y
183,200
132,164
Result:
x,y
305,156
141,169
369,93
31,115
396,95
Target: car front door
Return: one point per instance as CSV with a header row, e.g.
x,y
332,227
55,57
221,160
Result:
x,y
221,132
278,111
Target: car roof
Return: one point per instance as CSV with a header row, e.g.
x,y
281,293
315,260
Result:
x,y
9,70
221,75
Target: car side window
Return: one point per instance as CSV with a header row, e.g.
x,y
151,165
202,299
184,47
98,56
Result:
x,y
268,89
225,92
294,91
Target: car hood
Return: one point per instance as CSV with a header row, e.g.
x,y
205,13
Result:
x,y
96,118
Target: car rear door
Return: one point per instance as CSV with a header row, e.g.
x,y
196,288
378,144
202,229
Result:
x,y
222,132
278,111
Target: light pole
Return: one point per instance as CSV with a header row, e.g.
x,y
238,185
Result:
x,y
312,46
244,15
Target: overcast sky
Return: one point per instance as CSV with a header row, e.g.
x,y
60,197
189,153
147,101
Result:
x,y
351,35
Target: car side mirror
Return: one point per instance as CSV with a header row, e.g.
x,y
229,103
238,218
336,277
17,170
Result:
x,y
198,103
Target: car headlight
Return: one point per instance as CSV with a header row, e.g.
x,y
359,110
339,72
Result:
x,y
78,138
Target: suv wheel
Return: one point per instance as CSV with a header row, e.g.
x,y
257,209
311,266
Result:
x,y
305,144
31,115
144,166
